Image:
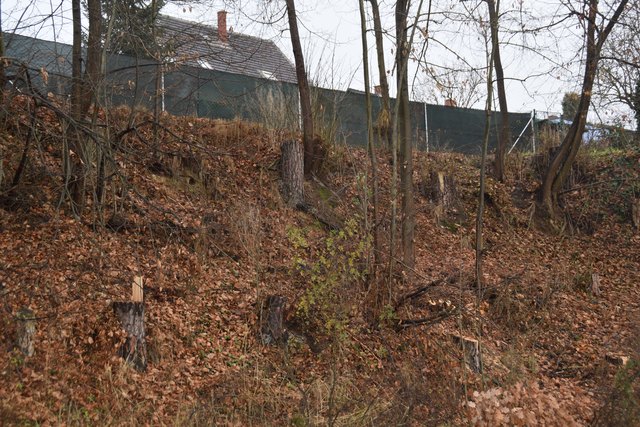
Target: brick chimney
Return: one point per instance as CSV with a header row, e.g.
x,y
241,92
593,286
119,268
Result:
x,y
223,35
450,103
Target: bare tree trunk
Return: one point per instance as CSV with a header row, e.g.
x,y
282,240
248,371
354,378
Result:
x,y
372,152
483,167
93,71
563,160
404,133
303,89
384,121
505,130
3,78
75,175
292,169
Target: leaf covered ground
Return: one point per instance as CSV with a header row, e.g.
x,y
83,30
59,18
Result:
x,y
198,214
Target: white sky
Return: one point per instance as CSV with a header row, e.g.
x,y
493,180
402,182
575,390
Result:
x,y
330,30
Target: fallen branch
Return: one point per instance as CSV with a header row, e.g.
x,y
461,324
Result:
x,y
417,293
407,323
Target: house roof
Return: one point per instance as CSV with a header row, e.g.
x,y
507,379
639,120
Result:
x,y
198,45
53,56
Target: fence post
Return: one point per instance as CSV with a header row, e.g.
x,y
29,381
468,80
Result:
x,y
533,130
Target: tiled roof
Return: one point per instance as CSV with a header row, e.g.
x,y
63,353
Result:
x,y
198,45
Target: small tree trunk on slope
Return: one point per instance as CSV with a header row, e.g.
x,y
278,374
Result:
x,y
303,89
505,130
292,171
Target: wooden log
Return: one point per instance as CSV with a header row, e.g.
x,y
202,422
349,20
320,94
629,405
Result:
x,y
131,316
471,350
272,328
26,329
292,172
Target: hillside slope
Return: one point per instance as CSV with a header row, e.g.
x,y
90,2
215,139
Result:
x,y
199,217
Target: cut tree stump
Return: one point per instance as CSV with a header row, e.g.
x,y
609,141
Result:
x,y
635,213
134,349
292,172
272,329
26,329
471,349
441,190
595,285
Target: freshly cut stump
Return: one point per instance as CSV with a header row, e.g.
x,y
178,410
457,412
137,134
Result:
x,y
471,349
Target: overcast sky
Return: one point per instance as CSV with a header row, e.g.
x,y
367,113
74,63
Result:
x,y
539,69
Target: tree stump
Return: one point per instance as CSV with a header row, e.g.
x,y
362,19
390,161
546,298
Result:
x,y
272,330
292,172
441,190
595,285
134,350
26,329
635,213
471,350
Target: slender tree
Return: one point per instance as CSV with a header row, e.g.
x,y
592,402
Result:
x,y
303,89
372,152
384,123
595,37
2,72
504,137
405,143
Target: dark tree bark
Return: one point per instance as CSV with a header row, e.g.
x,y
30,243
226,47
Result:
x,y
303,89
93,71
292,170
74,163
372,152
505,130
404,133
26,329
565,156
384,120
272,328
3,79
82,96
131,316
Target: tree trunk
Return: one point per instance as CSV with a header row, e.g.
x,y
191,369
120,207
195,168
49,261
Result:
x,y
483,167
292,170
384,121
75,173
3,78
404,134
565,156
131,316
372,152
505,130
303,89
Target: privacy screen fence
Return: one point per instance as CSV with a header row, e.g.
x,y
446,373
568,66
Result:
x,y
191,91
